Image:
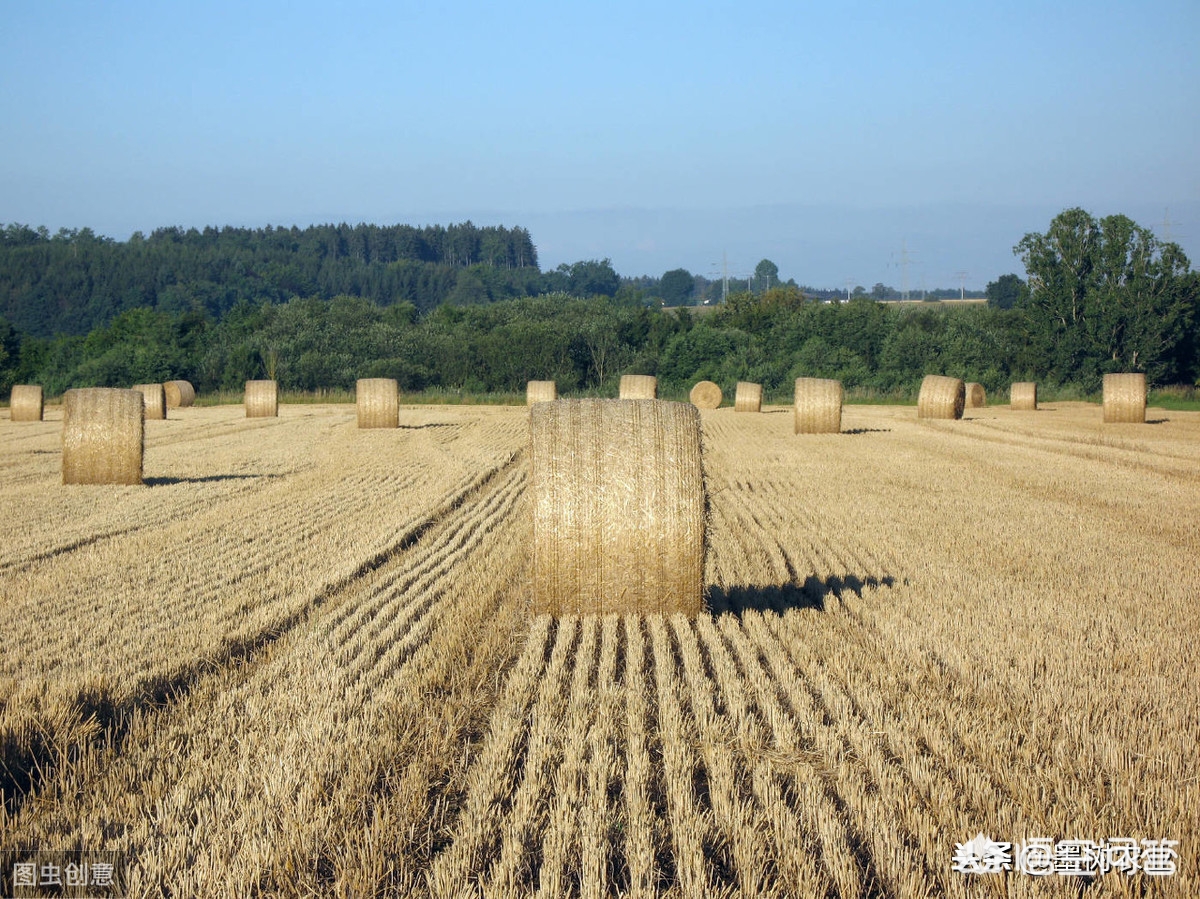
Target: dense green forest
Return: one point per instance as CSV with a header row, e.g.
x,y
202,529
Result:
x,y
465,308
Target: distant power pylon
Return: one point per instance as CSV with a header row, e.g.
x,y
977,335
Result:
x,y
849,283
905,259
962,284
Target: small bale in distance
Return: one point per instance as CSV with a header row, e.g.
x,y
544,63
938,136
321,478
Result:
x,y
748,397
26,403
976,395
1022,396
942,397
378,402
639,387
262,399
817,407
1125,398
618,507
155,401
540,392
706,395
103,437
180,394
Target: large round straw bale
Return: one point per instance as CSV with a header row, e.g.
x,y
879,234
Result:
x,y
1023,396
748,397
103,436
618,506
941,397
1125,398
26,403
976,395
540,392
262,399
706,395
639,387
155,400
378,402
818,406
179,394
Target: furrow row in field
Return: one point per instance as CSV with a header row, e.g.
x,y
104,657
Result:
x,y
126,637
298,783
502,811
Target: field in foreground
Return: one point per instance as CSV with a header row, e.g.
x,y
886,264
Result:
x,y
298,662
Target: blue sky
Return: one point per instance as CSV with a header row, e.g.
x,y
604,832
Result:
x,y
823,136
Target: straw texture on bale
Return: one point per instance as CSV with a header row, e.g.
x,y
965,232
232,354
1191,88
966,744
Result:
x,y
540,392
976,395
1125,398
378,402
639,387
103,436
618,507
818,406
26,403
941,397
262,399
180,394
706,395
154,399
1023,396
748,397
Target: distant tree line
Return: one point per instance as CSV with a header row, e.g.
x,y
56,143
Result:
x,y
1099,296
74,280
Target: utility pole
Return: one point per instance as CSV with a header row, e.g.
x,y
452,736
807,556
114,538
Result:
x,y
849,284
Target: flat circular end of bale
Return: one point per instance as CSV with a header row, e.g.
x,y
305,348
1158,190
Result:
x,y
942,397
262,399
540,392
1125,398
154,399
638,387
377,401
180,394
26,403
1022,396
706,395
976,395
618,507
817,406
103,437
748,397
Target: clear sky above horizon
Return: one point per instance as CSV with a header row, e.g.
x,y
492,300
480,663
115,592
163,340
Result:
x,y
640,131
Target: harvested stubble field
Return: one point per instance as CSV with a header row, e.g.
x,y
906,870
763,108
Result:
x,y
299,662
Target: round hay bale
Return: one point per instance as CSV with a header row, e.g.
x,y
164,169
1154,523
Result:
x,y
976,395
618,506
1022,396
817,406
103,436
378,402
639,387
540,392
155,400
1125,398
26,403
941,398
180,394
262,399
706,395
748,397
